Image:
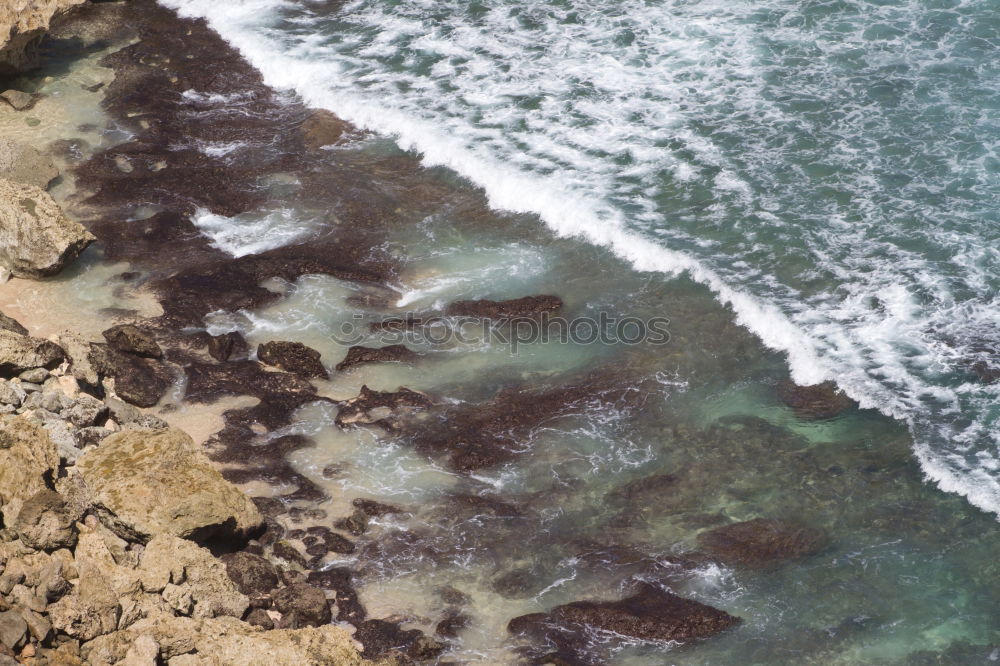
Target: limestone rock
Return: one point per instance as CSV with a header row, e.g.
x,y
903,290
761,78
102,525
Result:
x,y
150,483
22,25
181,568
302,604
20,163
12,325
226,346
21,352
130,339
91,610
20,101
46,522
13,629
27,459
252,574
226,640
36,239
78,353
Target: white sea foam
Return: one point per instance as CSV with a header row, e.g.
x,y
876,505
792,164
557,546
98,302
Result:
x,y
591,116
251,233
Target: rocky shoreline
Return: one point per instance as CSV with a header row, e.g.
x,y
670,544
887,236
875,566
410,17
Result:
x,y
125,541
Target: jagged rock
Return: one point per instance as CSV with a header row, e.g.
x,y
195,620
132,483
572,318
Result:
x,y
19,100
322,128
143,652
20,163
820,401
131,417
22,26
761,542
139,381
89,611
28,458
78,353
160,482
527,306
36,239
251,573
91,436
375,509
192,572
85,411
11,393
258,617
650,614
13,629
302,604
227,640
46,522
292,357
380,408
21,352
382,638
358,355
226,346
130,339
12,325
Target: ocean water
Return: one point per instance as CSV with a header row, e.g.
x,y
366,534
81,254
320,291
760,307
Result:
x,y
802,187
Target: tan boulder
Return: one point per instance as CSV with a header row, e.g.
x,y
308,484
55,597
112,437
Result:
x,y
27,458
21,163
21,352
228,641
36,239
189,571
148,483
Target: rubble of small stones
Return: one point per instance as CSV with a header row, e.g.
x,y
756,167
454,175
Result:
x,y
107,513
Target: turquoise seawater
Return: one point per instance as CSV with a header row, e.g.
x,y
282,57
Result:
x,y
804,188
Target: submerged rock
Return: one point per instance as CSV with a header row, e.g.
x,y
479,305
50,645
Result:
x,y
819,401
358,355
382,408
36,239
761,541
292,357
20,163
520,307
130,339
651,614
150,483
322,128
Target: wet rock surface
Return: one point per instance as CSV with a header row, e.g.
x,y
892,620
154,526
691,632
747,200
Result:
x,y
293,357
362,355
527,306
820,401
761,542
651,614
129,339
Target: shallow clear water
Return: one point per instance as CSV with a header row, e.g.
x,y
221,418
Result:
x,y
824,169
